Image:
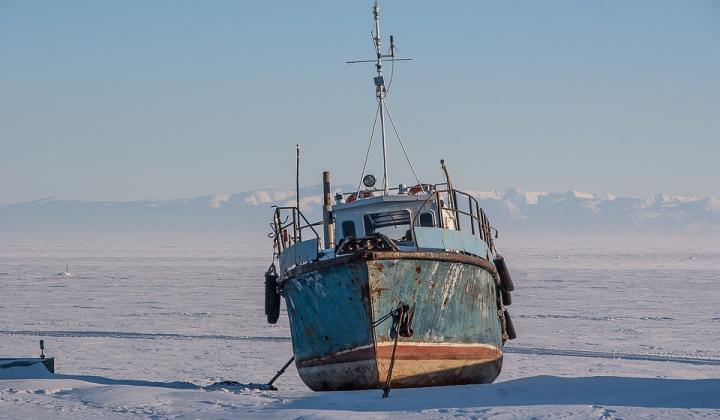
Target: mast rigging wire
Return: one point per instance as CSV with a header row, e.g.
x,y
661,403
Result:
x,y
382,107
372,137
412,168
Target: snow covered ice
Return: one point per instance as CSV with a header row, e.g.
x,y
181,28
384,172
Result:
x,y
137,331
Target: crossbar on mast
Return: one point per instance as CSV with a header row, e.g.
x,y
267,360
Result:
x,y
380,92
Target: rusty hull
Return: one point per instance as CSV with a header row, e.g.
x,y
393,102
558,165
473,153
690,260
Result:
x,y
332,305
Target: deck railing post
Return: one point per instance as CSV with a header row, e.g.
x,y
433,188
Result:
x,y
472,222
479,221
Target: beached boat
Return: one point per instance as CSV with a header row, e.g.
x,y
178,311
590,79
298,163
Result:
x,y
395,287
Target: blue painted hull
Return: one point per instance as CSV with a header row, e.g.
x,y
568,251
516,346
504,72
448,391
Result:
x,y
332,307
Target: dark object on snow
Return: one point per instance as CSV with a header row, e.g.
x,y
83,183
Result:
x,y
234,385
238,386
272,296
48,362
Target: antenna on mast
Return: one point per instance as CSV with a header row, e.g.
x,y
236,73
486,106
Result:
x,y
380,92
297,176
380,89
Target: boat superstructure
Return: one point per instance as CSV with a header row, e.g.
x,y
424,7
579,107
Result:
x,y
395,287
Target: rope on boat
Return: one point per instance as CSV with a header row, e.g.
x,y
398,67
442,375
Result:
x,y
386,388
402,325
367,155
402,146
382,319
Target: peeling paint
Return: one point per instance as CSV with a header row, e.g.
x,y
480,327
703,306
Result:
x,y
332,326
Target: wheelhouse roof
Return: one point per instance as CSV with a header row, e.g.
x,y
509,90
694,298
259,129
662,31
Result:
x,y
376,200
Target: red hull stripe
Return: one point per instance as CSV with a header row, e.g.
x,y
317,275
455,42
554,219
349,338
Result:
x,y
437,352
408,351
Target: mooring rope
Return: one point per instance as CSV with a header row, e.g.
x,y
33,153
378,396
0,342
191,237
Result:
x,y
396,321
382,319
402,318
402,325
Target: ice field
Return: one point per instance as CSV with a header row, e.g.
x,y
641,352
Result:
x,y
137,331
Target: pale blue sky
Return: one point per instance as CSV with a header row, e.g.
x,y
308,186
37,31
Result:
x,y
159,99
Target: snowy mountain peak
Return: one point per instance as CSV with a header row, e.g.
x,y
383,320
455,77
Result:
x,y
713,203
515,195
582,195
218,200
665,198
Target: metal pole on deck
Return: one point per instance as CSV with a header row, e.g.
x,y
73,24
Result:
x,y
297,184
297,177
328,224
451,194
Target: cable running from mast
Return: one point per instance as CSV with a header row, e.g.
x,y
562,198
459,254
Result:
x,y
367,155
402,146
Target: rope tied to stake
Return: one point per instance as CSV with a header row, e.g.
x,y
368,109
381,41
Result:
x,y
402,326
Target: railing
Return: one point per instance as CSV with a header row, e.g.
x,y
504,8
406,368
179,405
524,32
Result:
x,y
469,216
466,212
287,231
289,223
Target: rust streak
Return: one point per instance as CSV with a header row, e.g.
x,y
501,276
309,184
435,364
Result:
x,y
309,331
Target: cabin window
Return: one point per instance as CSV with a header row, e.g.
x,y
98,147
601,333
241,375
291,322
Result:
x,y
427,219
348,229
393,224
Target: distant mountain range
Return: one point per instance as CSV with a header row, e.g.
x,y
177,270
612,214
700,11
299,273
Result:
x,y
584,211
511,210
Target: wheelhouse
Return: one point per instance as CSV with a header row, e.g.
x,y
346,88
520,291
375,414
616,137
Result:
x,y
391,215
424,217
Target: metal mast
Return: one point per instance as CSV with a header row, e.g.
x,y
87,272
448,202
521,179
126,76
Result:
x,y
380,92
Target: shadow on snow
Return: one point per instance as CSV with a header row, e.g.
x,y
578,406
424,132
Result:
x,y
38,371
535,390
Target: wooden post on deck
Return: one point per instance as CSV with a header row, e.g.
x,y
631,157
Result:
x,y
328,223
